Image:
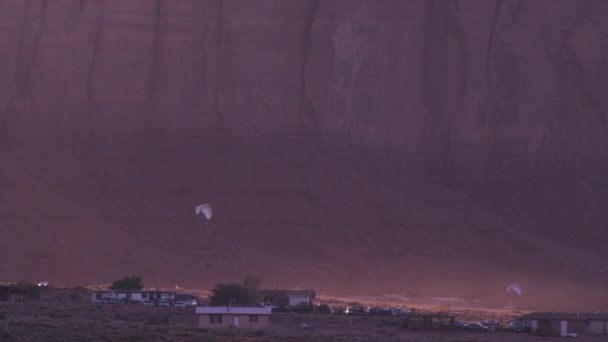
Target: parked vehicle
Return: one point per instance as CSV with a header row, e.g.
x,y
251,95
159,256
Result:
x,y
190,302
148,302
355,311
374,311
118,300
398,311
105,300
515,327
459,324
268,305
180,304
164,302
476,327
283,309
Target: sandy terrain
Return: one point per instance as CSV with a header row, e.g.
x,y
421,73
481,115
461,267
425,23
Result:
x,y
67,316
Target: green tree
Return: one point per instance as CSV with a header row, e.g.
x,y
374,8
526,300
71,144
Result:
x,y
228,294
128,283
251,285
252,282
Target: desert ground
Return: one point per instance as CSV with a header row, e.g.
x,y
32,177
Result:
x,y
69,316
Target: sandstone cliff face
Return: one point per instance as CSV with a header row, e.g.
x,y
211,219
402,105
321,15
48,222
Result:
x,y
120,115
455,77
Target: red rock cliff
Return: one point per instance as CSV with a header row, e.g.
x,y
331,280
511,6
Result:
x,y
449,76
105,104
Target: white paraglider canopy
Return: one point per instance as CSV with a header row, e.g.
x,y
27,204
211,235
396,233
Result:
x,y
514,288
205,209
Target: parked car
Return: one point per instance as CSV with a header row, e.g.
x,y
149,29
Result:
x,y
180,304
515,327
148,302
164,302
375,311
476,327
268,305
283,309
398,311
118,300
105,300
355,311
190,302
459,325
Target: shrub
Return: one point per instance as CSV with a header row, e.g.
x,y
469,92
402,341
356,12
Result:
x,y
323,309
302,308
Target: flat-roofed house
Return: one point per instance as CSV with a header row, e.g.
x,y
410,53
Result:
x,y
224,317
563,324
297,297
597,323
13,293
288,297
134,296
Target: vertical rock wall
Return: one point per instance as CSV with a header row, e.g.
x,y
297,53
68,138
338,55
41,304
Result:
x,y
460,84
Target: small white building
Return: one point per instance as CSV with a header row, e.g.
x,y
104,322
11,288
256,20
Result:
x,y
288,297
132,295
224,317
597,324
297,297
563,324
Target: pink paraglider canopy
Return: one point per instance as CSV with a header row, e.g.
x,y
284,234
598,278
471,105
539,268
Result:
x,y
514,288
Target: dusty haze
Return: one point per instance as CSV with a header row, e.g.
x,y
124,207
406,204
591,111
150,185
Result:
x,y
355,147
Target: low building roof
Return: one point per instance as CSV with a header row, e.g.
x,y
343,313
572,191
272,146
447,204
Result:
x,y
237,310
564,316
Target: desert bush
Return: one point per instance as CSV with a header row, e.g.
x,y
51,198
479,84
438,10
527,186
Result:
x,y
121,317
224,333
254,333
135,338
57,315
205,339
303,308
395,323
323,309
159,319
